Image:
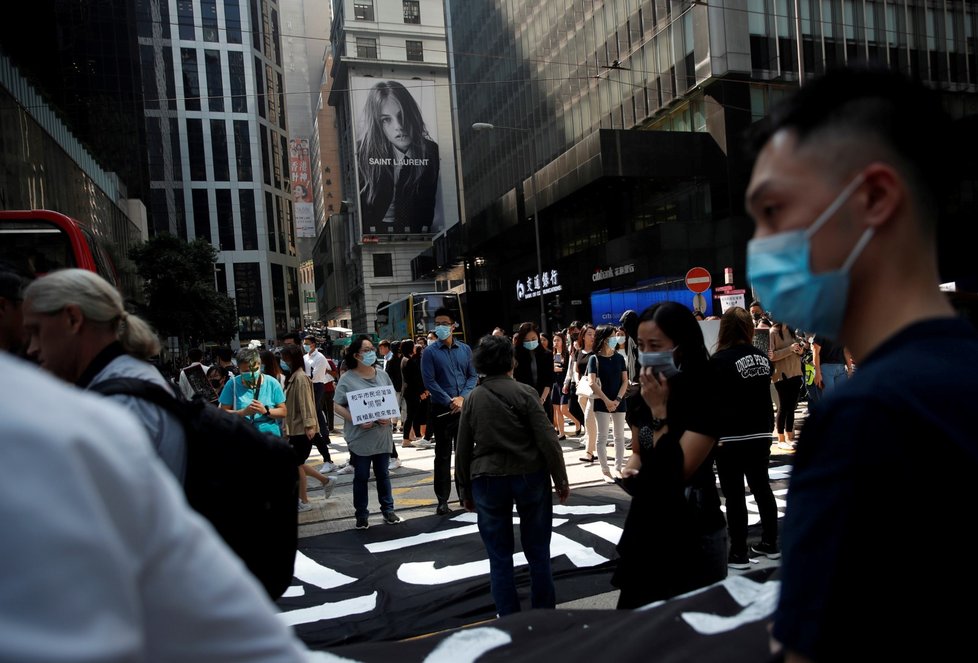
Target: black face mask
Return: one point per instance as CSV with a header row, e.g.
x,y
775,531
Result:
x,y
756,316
216,384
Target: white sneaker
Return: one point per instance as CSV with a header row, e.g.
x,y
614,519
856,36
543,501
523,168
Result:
x,y
394,464
424,444
786,446
327,467
304,506
346,469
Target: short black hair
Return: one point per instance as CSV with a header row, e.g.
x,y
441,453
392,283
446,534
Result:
x,y
493,355
294,337
195,354
311,338
12,283
879,105
224,353
445,311
755,303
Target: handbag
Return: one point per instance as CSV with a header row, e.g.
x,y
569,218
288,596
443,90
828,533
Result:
x,y
584,386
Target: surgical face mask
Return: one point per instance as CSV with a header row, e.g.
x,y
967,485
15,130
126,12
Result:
x,y
251,377
660,362
531,345
430,341
620,340
306,348
283,365
612,342
369,358
443,332
779,269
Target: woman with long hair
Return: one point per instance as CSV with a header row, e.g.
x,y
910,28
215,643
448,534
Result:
x,y
608,376
674,539
785,353
558,394
398,163
270,366
534,365
415,395
370,443
579,362
302,422
742,375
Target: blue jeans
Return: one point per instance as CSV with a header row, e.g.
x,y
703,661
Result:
x,y
361,476
494,499
833,376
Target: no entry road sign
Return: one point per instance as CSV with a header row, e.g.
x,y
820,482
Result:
x,y
698,280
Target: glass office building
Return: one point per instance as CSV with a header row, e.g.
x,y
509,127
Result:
x,y
620,123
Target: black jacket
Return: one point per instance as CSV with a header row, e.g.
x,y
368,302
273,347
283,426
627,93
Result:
x,y
545,368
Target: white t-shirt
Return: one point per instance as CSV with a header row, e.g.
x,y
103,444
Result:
x,y
115,567
318,367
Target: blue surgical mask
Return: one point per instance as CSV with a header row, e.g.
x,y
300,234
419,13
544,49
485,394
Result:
x,y
612,342
306,348
660,362
779,270
369,358
251,377
443,332
283,365
531,345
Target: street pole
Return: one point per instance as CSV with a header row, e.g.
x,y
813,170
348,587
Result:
x,y
485,126
801,50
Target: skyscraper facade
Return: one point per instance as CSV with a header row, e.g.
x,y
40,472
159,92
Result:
x,y
218,150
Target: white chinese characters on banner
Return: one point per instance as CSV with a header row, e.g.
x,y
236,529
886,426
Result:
x,y
368,405
537,285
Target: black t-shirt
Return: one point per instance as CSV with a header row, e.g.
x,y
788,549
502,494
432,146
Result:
x,y
829,352
609,370
742,376
876,561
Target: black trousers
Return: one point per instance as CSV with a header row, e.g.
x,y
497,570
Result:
x,y
788,391
322,440
446,432
735,461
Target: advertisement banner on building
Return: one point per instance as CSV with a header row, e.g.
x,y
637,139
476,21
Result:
x,y
397,157
300,175
607,306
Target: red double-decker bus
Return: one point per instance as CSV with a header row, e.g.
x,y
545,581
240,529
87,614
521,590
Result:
x,y
36,242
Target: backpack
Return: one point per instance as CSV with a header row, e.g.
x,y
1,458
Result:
x,y
241,480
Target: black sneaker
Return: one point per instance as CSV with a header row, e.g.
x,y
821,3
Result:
x,y
738,561
769,550
443,509
362,523
391,518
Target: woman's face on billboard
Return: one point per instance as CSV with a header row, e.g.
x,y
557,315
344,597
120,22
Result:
x,y
392,120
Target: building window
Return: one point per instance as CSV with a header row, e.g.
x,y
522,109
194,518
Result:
x,y
185,18
412,11
219,150
415,51
195,145
363,10
191,79
383,264
215,83
236,73
242,150
208,19
367,48
232,21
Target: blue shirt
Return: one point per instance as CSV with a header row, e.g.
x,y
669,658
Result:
x,y
448,372
238,396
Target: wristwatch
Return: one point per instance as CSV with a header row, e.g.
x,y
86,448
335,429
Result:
x,y
659,424
268,411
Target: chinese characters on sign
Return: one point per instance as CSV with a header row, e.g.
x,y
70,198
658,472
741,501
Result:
x,y
540,284
371,404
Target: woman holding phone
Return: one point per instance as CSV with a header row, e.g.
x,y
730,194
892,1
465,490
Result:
x,y
670,473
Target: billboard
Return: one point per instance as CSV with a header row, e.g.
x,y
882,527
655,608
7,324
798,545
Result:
x,y
299,174
397,156
607,306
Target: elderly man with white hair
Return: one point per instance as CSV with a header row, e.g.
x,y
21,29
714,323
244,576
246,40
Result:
x,y
80,331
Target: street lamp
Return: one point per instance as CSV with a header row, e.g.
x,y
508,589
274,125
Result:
x,y
485,126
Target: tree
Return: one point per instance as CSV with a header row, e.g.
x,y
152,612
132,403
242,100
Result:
x,y
178,281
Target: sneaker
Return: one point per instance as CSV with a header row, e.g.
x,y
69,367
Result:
x,y
391,518
786,446
769,550
424,443
394,464
738,561
327,467
328,487
346,469
304,506
362,523
443,509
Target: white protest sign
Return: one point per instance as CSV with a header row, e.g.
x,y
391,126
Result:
x,y
371,404
729,301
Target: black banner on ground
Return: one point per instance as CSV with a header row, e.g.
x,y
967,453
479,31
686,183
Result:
x,y
723,623
429,574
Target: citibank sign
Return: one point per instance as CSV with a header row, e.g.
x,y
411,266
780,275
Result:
x,y
538,285
611,272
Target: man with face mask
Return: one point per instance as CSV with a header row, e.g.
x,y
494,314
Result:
x,y
322,371
845,192
448,374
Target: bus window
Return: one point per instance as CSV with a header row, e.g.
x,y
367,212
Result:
x,y
103,264
35,247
